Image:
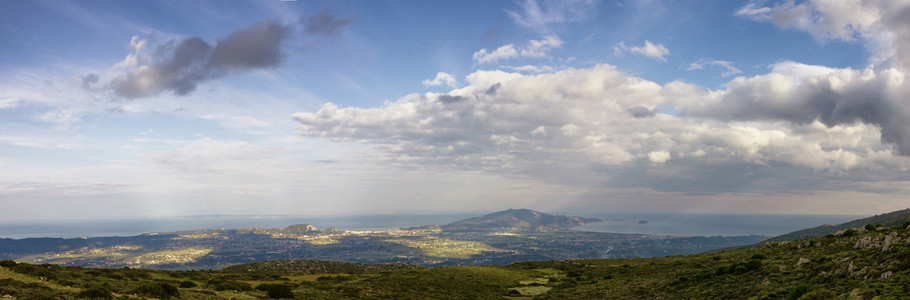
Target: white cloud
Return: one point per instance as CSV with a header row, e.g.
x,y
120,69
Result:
x,y
534,49
441,78
540,15
541,48
654,51
235,121
9,103
63,118
729,69
209,155
531,68
484,56
659,157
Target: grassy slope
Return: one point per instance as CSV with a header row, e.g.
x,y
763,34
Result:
x,y
315,267
858,262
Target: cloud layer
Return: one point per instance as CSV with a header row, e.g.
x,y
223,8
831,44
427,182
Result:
x,y
797,128
567,125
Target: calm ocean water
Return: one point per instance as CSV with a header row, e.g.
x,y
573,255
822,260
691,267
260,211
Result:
x,y
666,224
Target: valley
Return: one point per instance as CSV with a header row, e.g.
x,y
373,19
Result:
x,y
496,239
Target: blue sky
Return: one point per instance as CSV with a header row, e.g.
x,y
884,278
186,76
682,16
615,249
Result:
x,y
112,109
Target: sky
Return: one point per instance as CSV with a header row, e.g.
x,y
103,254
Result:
x,y
125,109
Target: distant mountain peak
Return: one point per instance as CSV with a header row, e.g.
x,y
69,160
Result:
x,y
518,219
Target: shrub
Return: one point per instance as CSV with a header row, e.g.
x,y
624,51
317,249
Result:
x,y
7,263
799,292
279,291
187,284
820,294
96,292
233,286
160,290
870,227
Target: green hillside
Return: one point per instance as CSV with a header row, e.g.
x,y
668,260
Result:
x,y
888,219
854,264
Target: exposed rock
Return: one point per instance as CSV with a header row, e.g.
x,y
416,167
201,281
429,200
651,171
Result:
x,y
890,238
886,275
802,261
866,242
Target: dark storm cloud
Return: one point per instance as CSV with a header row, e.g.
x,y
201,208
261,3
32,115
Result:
x,y
324,23
257,46
493,89
640,112
179,66
449,98
89,80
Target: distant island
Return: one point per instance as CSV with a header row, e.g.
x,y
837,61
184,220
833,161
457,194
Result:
x,y
518,219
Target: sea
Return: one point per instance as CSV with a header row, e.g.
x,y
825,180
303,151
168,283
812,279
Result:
x,y
659,224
